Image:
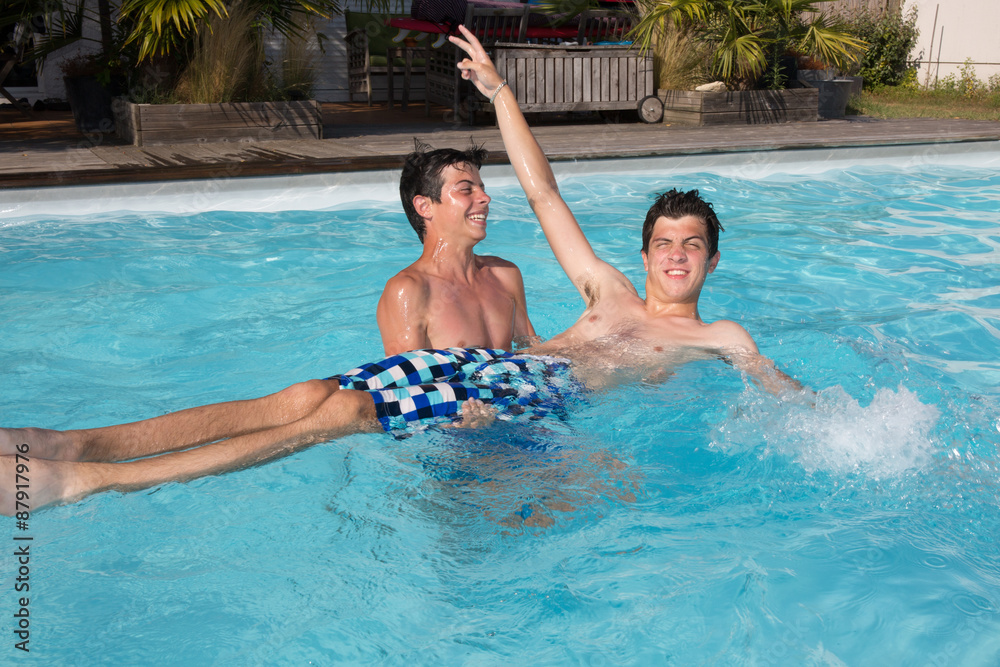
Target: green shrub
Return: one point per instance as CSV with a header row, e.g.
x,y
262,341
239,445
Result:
x,y
891,37
681,60
746,37
227,62
969,84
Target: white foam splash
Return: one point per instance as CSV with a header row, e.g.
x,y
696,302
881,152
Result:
x,y
889,436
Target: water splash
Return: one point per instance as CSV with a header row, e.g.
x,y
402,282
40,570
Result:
x,y
889,436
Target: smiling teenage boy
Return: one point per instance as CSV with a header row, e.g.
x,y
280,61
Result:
x,y
450,296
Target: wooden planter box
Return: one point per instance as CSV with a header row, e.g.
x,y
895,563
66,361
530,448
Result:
x,y
149,124
745,107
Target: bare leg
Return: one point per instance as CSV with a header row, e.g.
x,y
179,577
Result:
x,y
343,413
177,430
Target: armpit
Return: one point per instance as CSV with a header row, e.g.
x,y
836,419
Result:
x,y
592,291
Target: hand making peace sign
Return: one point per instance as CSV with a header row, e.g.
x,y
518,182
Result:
x,y
477,68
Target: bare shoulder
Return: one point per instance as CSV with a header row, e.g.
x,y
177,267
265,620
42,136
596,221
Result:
x,y
402,312
406,286
493,262
506,272
729,336
411,276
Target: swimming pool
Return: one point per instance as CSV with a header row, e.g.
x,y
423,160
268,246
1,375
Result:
x,y
693,522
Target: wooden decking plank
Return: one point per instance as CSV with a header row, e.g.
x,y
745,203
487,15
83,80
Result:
x,y
27,164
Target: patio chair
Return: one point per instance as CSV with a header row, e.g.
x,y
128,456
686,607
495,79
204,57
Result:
x,y
490,25
604,25
371,54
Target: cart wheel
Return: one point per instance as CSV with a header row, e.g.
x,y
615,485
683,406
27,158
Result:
x,y
651,109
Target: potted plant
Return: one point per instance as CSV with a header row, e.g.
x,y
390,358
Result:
x,y
834,90
751,45
263,101
226,91
92,75
91,82
158,37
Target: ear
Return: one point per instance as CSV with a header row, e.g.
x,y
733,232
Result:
x,y
645,260
422,205
714,262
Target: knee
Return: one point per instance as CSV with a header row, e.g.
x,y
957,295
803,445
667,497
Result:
x,y
347,407
305,397
356,405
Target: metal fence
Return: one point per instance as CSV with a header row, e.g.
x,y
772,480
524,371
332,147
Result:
x,y
848,8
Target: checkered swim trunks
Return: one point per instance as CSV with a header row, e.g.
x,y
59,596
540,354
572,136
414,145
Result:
x,y
433,384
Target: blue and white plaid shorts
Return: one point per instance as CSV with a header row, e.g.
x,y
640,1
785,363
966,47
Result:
x,y
433,384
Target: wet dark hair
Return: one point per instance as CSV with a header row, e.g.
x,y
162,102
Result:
x,y
422,175
676,204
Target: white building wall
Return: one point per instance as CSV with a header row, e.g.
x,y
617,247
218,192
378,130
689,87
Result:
x,y
330,61
963,29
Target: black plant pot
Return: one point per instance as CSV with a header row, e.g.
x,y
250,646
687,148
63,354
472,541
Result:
x,y
789,68
90,101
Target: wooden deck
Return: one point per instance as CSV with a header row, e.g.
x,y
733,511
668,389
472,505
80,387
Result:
x,y
49,151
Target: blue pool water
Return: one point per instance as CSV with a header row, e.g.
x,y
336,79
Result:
x,y
698,521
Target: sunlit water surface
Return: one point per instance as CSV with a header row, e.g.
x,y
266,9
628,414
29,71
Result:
x,y
697,521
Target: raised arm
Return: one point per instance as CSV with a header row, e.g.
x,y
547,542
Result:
x,y
568,243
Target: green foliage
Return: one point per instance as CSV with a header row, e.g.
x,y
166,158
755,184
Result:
x,y
775,77
942,102
64,23
226,63
163,26
891,37
152,40
749,36
157,27
681,61
968,85
108,56
297,69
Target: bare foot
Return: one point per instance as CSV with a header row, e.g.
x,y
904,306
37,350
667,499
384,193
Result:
x,y
476,414
27,483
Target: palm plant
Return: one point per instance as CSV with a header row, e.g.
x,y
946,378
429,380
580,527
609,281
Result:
x,y
135,33
156,27
749,36
161,27
64,25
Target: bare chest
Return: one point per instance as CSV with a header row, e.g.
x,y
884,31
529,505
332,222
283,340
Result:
x,y
623,327
473,315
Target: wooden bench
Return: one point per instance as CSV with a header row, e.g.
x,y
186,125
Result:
x,y
580,78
